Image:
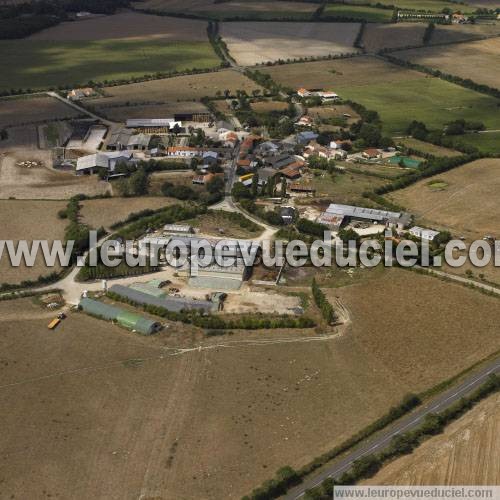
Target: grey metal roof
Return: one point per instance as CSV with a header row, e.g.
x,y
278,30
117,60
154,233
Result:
x,y
150,122
96,308
174,304
365,213
214,282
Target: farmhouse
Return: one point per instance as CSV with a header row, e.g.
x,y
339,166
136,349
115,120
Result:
x,y
305,121
371,154
348,213
302,189
90,163
293,171
78,94
184,152
325,95
423,234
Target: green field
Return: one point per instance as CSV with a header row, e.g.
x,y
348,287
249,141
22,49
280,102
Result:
x,y
42,64
486,143
370,14
430,100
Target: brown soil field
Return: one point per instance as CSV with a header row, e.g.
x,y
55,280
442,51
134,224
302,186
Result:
x,y
338,111
392,36
118,416
465,206
468,452
259,42
475,60
241,8
19,111
327,74
123,113
462,32
212,223
173,5
23,220
179,88
126,25
107,211
268,106
427,147
40,183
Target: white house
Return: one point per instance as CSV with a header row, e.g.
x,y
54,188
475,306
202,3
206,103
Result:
x,y
423,234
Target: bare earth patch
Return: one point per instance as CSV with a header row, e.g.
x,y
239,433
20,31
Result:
x,y
381,36
23,220
126,25
259,42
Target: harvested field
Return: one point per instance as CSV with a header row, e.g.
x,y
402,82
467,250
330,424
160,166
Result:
x,y
76,62
179,88
107,211
392,36
430,100
126,25
427,147
122,113
361,12
259,10
462,32
363,70
269,106
465,205
477,61
89,399
467,452
21,220
259,42
23,110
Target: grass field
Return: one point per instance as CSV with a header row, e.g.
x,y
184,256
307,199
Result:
x,y
218,223
427,147
42,64
29,227
259,42
475,60
363,70
279,405
126,25
268,106
430,100
465,206
464,454
486,143
370,14
179,88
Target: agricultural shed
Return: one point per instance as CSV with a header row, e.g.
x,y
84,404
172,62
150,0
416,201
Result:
x,y
174,304
148,289
127,319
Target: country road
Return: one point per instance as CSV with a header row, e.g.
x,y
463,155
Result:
x,y
437,404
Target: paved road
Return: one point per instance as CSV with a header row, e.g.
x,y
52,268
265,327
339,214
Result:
x,y
377,444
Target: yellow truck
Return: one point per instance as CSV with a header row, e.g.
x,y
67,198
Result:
x,y
53,324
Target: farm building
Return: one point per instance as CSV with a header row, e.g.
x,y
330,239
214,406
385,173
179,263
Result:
x,y
78,94
178,228
200,116
349,213
332,221
88,164
138,142
173,304
217,277
119,140
184,152
127,319
423,234
372,154
148,123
